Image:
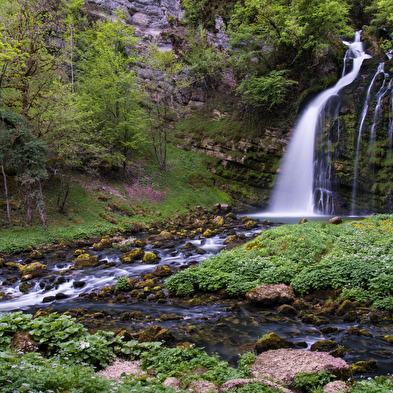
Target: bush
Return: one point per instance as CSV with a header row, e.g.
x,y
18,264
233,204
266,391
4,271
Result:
x,y
122,284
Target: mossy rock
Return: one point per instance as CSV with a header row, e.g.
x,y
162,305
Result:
x,y
218,222
286,309
272,341
34,269
388,339
2,262
208,233
345,307
365,333
251,224
146,283
339,352
364,367
319,320
323,345
150,258
36,255
330,329
156,333
132,282
25,287
98,247
350,316
79,252
189,246
130,256
86,260
230,239
162,271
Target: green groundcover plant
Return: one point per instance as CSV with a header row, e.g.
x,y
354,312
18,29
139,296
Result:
x,y
356,257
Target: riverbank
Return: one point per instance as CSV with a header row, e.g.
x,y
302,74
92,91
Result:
x,y
98,305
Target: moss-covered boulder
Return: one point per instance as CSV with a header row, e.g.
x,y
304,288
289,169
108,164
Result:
x,y
25,287
345,307
36,255
35,269
133,255
286,309
218,222
156,333
86,260
323,345
162,271
230,239
272,341
364,367
150,258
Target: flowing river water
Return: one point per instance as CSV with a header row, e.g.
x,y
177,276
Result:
x,y
214,327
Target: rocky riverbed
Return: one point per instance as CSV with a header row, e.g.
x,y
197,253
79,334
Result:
x,y
80,279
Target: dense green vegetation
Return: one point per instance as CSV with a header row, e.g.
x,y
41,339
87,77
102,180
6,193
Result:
x,y
72,102
355,256
67,359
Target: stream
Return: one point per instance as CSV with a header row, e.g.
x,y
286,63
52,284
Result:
x,y
219,331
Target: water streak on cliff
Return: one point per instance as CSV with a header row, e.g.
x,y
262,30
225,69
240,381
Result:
x,y
294,190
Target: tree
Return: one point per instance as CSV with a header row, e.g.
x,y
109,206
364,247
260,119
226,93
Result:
x,y
382,10
28,27
25,153
164,88
108,92
276,40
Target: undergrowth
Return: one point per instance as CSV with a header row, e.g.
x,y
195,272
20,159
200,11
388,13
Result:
x,y
355,256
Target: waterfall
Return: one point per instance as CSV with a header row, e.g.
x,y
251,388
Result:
x,y
362,119
293,193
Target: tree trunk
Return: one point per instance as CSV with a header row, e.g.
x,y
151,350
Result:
x,y
41,207
6,195
29,204
62,203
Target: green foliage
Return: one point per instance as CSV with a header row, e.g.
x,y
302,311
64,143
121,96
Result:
x,y
270,89
256,387
11,323
122,283
181,362
310,382
31,372
380,384
355,256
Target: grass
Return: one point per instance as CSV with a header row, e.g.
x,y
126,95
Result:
x,y
187,182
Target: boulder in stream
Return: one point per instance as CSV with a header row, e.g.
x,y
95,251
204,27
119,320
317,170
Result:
x,y
282,365
272,341
86,260
271,294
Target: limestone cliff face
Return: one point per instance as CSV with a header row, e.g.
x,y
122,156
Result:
x,y
149,17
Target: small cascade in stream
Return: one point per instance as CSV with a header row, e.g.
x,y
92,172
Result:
x,y
297,187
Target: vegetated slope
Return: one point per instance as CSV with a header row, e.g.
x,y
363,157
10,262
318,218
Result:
x,y
355,256
113,203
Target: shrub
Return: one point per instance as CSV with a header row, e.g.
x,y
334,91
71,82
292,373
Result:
x,y
122,284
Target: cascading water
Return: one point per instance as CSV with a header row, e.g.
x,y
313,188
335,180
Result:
x,y
294,190
363,118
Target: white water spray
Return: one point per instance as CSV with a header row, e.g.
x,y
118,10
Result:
x,y
293,193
